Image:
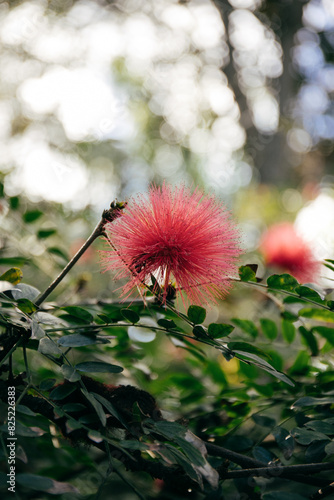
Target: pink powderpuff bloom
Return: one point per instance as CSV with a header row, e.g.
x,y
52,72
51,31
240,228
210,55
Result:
x,y
181,238
282,247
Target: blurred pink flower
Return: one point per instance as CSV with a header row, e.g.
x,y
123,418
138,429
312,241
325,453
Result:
x,y
282,247
181,238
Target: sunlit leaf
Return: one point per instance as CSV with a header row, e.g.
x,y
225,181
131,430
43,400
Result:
x,y
47,346
26,306
248,272
311,401
13,275
317,314
23,291
308,293
166,323
282,282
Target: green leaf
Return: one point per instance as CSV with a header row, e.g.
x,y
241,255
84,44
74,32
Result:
x,y
308,293
324,331
98,367
320,426
13,261
330,304
47,384
70,373
13,275
246,325
48,347
285,441
196,314
282,282
48,319
130,315
248,272
62,391
37,331
14,202
311,401
269,328
96,405
45,233
79,340
317,314
288,331
301,364
26,306
245,347
306,436
167,323
31,215
25,410
310,340
79,312
263,421
110,408
191,452
219,330
23,291
60,253
41,483
199,332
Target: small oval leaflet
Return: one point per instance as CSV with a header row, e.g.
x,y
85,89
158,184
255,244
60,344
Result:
x,y
130,315
219,330
166,323
282,282
98,367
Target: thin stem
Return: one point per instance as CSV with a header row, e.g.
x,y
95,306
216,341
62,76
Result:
x,y
107,216
98,231
9,353
285,292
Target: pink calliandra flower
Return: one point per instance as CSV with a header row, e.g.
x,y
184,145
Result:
x,y
183,239
282,247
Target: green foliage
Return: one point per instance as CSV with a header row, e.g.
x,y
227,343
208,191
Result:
x,y
196,314
258,384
